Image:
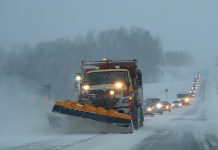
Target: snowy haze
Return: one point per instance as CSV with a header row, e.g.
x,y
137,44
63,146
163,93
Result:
x,y
181,25
45,41
22,111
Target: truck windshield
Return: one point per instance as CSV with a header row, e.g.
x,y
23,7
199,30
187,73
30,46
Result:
x,y
95,78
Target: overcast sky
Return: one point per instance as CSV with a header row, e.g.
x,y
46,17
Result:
x,y
190,25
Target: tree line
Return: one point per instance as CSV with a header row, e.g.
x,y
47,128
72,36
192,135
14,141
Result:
x,y
50,65
177,58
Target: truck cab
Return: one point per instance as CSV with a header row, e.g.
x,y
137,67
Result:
x,y
107,88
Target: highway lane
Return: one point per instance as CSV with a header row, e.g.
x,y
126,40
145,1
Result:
x,y
190,130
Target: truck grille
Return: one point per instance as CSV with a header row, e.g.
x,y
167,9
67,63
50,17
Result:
x,y
97,92
101,98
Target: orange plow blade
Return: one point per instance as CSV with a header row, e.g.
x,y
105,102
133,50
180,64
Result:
x,y
69,107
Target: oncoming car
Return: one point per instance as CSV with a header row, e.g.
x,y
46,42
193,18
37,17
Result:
x,y
184,98
148,108
166,106
177,104
156,105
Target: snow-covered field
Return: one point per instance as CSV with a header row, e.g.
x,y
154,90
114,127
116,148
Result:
x,y
175,80
192,127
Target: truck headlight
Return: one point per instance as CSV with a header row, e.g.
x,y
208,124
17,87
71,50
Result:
x,y
186,100
86,87
111,92
118,85
159,105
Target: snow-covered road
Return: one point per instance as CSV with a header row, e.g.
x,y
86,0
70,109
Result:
x,y
192,127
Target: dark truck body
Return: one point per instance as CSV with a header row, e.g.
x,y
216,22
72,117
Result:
x,y
126,101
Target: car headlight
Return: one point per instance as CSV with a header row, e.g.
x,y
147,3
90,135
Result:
x,y
149,109
118,85
180,104
186,100
167,107
111,92
86,87
159,105
172,105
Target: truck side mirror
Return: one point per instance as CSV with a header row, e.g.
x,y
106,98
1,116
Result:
x,y
139,78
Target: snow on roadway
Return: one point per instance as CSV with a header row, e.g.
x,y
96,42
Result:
x,y
108,141
194,127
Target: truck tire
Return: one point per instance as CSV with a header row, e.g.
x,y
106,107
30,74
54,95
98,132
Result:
x,y
135,117
141,117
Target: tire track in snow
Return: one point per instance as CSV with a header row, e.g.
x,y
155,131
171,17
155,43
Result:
x,y
211,141
170,140
50,144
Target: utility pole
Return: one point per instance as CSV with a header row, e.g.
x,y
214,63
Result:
x,y
47,88
166,91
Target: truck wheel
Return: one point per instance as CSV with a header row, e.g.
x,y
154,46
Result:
x,y
141,117
131,128
135,117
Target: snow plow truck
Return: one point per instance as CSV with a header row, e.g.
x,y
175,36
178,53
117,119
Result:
x,y
108,91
